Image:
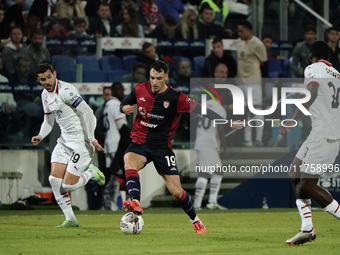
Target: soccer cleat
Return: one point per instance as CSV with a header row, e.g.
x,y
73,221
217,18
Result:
x,y
215,206
133,206
68,224
302,237
248,144
99,176
199,227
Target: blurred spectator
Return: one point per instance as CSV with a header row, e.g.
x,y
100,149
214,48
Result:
x,y
129,4
13,15
4,28
184,71
148,15
12,51
79,29
102,25
36,52
138,75
2,77
166,30
129,26
58,30
33,22
187,26
25,4
22,71
221,71
207,29
150,55
69,10
43,9
170,7
218,56
92,7
251,52
220,9
300,53
333,43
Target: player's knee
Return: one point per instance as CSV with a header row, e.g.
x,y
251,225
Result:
x,y
53,180
177,193
68,187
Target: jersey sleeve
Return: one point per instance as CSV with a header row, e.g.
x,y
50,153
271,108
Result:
x,y
116,114
311,75
70,96
261,52
44,104
129,100
185,104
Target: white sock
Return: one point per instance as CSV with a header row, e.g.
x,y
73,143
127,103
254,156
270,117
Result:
x,y
200,186
304,207
194,220
83,179
62,198
333,208
259,130
215,184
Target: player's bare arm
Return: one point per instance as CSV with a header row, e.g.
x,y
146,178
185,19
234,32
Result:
x,y
97,146
313,89
36,139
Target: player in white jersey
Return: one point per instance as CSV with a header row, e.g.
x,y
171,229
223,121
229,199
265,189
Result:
x,y
320,149
75,147
113,122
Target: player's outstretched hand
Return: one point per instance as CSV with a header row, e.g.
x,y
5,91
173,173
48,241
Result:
x,y
36,139
285,129
128,109
237,124
97,146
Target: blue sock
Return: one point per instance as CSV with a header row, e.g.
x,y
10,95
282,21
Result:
x,y
132,184
186,203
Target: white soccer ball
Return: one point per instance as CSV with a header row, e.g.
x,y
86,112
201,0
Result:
x,y
131,223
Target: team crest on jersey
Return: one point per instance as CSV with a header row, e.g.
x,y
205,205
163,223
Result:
x,y
142,99
166,104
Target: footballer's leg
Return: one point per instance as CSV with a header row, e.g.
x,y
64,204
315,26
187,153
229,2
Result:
x,y
173,184
60,194
133,162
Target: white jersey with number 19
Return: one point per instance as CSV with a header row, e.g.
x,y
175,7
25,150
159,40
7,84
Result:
x,y
325,109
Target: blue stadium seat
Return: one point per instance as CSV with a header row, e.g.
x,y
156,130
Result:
x,y
115,75
65,67
91,69
198,63
110,63
129,62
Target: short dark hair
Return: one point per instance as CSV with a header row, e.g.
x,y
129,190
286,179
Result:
x,y
106,87
37,31
79,21
170,20
320,50
146,45
43,67
160,66
139,65
115,85
333,29
267,36
18,60
310,27
103,4
246,24
15,27
203,7
217,40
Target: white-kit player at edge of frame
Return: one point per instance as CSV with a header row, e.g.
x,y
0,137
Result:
x,y
322,145
75,147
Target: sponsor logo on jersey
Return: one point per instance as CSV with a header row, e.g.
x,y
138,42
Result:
x,y
166,104
142,112
142,99
173,169
148,124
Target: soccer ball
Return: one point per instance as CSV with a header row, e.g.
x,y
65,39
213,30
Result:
x,y
131,223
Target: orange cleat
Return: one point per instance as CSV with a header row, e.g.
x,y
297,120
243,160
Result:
x,y
133,206
199,227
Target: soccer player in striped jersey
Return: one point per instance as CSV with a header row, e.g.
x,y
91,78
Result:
x,y
320,149
75,147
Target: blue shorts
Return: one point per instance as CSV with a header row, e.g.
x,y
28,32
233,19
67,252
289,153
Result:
x,y
163,158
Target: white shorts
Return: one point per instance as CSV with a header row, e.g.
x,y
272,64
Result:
x,y
76,155
256,93
208,158
318,155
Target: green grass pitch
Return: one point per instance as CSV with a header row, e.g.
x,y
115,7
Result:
x,y
165,232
